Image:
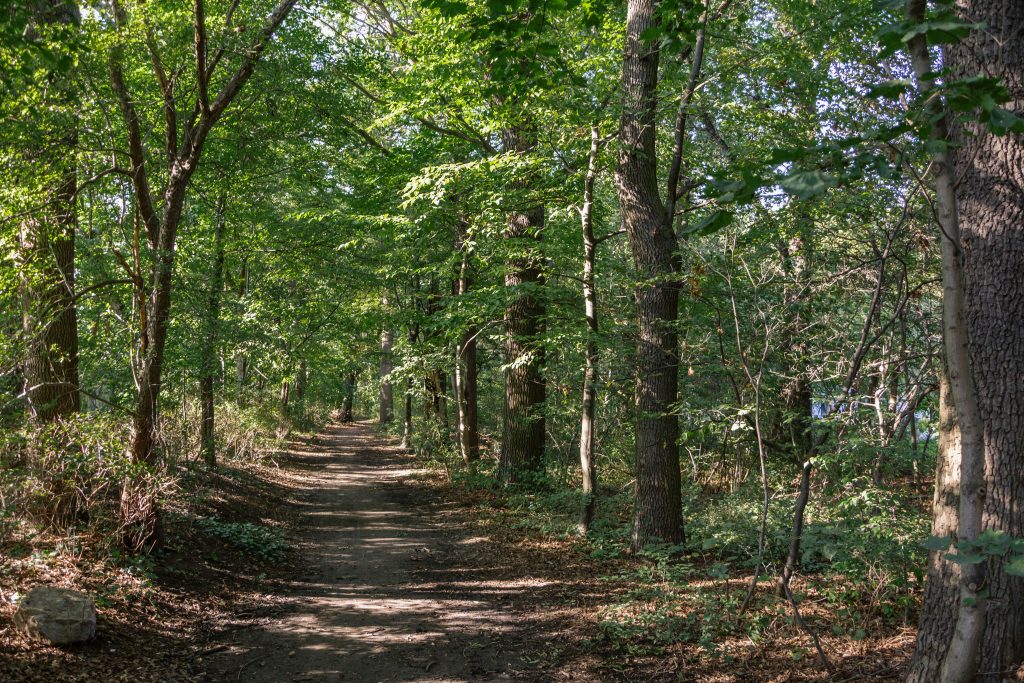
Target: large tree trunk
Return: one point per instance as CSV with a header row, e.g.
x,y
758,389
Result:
x,y
209,354
47,246
523,430
658,500
960,662
990,191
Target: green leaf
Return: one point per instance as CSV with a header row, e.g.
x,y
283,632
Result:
x,y
807,184
965,558
937,542
1002,121
890,89
1015,567
711,223
651,34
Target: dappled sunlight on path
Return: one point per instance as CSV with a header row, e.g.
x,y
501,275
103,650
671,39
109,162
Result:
x,y
378,598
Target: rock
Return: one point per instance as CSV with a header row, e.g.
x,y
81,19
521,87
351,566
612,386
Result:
x,y
59,615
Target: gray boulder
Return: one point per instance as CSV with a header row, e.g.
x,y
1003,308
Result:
x,y
59,615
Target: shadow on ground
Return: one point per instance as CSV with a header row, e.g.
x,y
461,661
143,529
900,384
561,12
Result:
x,y
389,592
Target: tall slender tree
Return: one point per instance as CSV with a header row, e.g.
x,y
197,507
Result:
x,y
208,370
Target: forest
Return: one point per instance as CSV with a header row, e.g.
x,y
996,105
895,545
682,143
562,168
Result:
x,y
512,340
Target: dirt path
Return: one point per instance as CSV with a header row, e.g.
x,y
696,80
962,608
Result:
x,y
387,592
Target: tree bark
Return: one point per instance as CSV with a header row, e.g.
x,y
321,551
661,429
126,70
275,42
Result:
x,y
465,375
588,468
523,425
47,250
209,353
348,399
658,499
938,610
961,660
990,192
387,410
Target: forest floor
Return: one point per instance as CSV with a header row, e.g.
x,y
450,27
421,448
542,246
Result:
x,y
391,574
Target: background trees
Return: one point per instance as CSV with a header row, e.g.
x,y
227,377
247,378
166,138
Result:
x,y
278,208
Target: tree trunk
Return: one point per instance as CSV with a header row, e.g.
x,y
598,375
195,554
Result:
x,y
283,397
209,354
413,337
796,533
435,406
523,425
588,468
465,376
990,192
658,500
796,416
301,378
347,401
938,610
960,662
387,410
47,246
241,361
469,433
407,417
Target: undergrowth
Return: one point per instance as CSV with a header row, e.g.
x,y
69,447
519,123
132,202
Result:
x,y
860,563
75,479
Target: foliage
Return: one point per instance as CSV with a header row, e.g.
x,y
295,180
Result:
x,y
260,542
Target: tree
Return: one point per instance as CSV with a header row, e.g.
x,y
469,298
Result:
x,y
47,235
523,431
980,217
208,361
653,243
387,407
183,147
